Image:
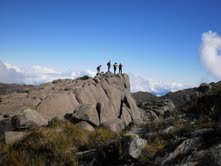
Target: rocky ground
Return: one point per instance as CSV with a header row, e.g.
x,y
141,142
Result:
x,y
97,121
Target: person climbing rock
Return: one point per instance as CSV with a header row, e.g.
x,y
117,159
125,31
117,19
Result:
x,y
98,70
120,68
115,68
108,66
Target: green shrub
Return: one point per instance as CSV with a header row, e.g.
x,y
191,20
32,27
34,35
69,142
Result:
x,y
54,122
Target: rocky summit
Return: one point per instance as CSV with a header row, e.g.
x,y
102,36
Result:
x,y
101,101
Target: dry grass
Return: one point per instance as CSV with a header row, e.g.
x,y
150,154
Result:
x,y
54,146
102,137
151,149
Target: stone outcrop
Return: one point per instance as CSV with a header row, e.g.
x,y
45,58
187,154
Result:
x,y
22,120
161,107
28,119
202,149
93,100
132,146
204,88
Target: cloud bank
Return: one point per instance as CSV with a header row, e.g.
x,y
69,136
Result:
x,y
154,86
10,74
209,53
36,74
39,74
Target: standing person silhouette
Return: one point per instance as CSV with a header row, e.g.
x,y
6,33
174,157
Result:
x,y
115,68
98,70
109,66
120,68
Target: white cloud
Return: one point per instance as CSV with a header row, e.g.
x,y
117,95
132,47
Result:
x,y
39,74
154,86
16,68
36,74
10,74
209,53
43,70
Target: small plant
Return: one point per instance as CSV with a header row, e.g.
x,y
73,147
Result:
x,y
54,122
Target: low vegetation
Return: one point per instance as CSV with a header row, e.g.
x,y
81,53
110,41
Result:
x,y
56,144
159,141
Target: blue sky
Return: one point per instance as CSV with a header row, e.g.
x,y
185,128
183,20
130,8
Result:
x,y
153,38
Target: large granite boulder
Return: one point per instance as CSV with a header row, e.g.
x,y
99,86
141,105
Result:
x,y
93,100
86,112
28,119
132,146
114,125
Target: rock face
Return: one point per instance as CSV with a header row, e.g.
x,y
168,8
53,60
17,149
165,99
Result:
x,y
93,100
204,149
87,113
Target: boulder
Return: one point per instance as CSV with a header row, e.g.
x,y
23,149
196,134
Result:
x,y
132,146
114,125
204,88
86,112
29,118
12,137
84,125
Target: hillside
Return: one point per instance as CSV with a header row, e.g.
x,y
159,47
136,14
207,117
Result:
x,y
95,121
143,96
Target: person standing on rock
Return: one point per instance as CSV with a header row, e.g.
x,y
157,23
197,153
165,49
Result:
x,y
120,68
115,68
108,66
98,70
